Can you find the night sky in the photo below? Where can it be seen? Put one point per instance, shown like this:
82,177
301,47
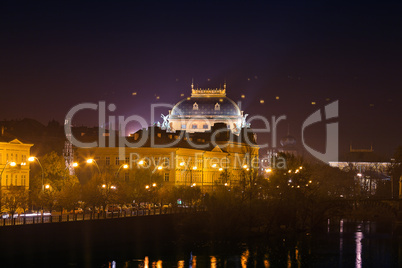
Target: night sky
59,54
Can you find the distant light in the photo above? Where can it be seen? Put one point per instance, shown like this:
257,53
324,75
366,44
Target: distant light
90,161
290,181
290,171
214,165
193,185
226,184
31,159
262,101
75,164
243,96
194,168
146,186
371,105
220,169
298,186
277,97
359,174
245,166
182,164
182,95
47,186
327,99
310,181
160,167
188,98
103,185
268,170
220,100
157,97
113,187
141,162
313,103
154,185
134,94
125,166
300,167
13,164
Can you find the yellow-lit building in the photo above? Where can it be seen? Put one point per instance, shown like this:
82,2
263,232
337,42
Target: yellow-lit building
201,138
182,163
14,165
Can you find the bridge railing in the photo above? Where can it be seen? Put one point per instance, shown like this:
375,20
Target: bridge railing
42,218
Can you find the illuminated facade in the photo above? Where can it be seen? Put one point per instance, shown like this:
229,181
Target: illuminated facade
180,160
14,166
204,109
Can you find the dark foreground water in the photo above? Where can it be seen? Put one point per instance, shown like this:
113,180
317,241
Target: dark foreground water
340,244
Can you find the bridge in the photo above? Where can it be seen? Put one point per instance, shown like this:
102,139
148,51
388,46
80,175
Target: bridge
40,218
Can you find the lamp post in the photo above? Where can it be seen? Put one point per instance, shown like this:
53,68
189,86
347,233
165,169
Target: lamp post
91,160
32,159
125,166
12,164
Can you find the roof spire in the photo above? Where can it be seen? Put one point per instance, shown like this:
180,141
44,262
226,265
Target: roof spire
192,83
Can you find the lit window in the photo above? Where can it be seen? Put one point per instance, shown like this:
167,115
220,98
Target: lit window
126,176
127,160
205,126
194,126
183,126
117,161
217,107
166,176
195,106
107,160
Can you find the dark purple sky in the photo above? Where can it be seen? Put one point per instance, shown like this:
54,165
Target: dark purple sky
57,55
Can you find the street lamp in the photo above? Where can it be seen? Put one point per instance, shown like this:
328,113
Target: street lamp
125,166
91,161
32,159
12,164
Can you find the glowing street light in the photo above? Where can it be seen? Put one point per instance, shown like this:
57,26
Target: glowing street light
113,187
154,185
182,164
245,166
268,170
220,169
214,165
194,168
160,167
103,185
141,162
13,164
125,166
91,161
146,186
47,186
75,164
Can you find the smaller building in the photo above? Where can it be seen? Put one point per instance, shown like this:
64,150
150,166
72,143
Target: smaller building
14,166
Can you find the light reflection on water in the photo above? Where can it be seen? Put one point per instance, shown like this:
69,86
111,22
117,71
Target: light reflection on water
358,247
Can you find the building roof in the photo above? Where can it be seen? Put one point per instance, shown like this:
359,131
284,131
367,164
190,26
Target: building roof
206,103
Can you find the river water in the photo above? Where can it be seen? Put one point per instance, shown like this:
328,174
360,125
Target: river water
341,244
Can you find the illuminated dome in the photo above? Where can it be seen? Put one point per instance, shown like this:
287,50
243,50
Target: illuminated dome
205,108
